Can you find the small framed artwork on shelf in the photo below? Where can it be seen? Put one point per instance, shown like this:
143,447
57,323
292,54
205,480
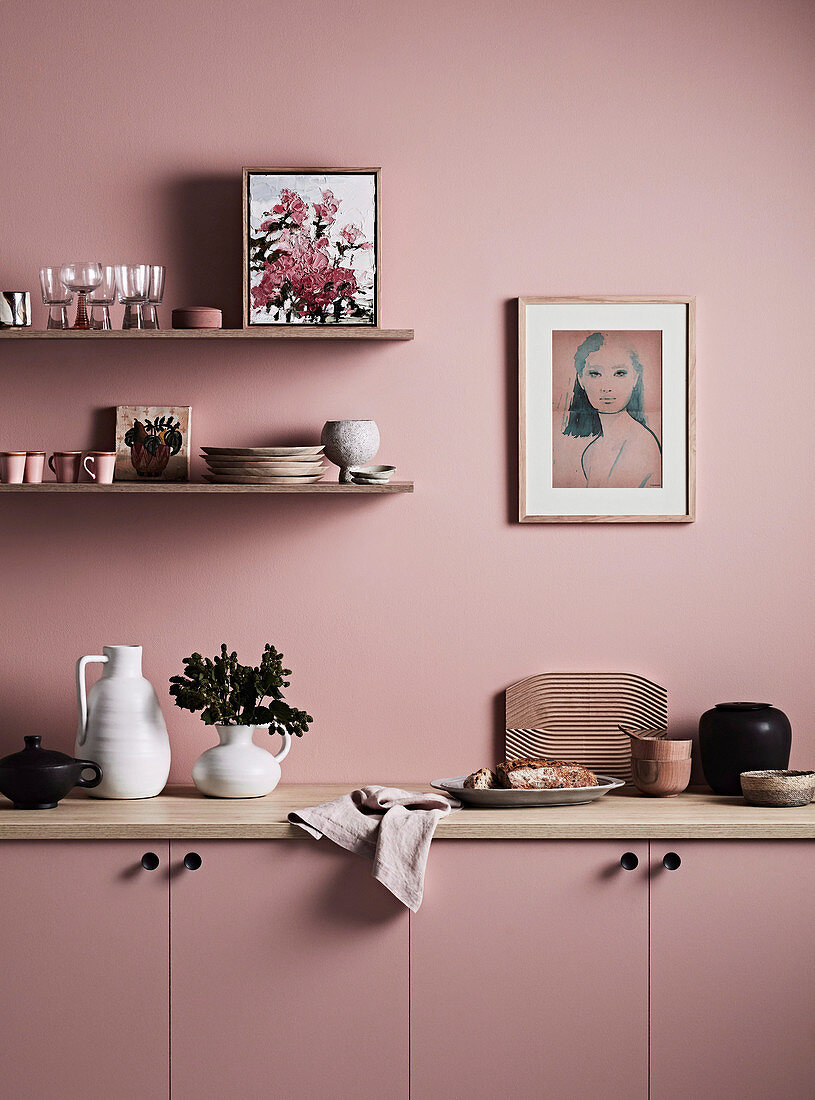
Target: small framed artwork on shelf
310,246
607,413
153,442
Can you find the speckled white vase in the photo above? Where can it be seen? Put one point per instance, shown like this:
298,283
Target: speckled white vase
350,443
237,767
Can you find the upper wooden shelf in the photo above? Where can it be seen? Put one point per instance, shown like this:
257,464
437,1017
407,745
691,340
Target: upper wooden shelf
306,332
622,815
206,487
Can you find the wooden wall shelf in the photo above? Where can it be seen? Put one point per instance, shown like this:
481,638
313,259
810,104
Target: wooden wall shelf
204,487
306,332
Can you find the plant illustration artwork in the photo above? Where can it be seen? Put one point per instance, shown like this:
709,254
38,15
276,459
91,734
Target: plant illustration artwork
310,247
229,693
152,442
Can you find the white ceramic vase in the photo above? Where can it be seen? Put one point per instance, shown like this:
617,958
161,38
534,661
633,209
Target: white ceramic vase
121,726
237,767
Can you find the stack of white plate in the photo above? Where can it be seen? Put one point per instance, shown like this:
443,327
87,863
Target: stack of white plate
264,465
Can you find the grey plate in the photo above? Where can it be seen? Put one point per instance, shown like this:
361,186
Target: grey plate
517,799
263,452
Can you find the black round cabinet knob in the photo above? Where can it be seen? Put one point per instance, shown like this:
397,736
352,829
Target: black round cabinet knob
629,861
671,861
150,861
192,861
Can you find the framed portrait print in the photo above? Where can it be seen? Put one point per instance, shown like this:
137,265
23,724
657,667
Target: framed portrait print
607,410
310,246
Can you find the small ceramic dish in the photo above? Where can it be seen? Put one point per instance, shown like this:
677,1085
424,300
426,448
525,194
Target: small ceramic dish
778,788
373,473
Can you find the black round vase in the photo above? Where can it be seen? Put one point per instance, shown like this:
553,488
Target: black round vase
742,737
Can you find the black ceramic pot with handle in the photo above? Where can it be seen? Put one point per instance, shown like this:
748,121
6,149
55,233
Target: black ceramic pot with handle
37,778
742,737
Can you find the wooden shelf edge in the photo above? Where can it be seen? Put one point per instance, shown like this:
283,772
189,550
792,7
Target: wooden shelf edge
307,332
330,487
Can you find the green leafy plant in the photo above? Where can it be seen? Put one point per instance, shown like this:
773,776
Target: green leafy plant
155,433
229,693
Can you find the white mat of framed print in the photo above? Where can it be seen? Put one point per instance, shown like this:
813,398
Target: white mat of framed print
607,411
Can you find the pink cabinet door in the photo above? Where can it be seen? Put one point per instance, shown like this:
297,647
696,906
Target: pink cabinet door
84,978
529,971
289,974
732,988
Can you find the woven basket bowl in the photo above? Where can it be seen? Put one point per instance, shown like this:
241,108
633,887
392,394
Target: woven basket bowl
778,788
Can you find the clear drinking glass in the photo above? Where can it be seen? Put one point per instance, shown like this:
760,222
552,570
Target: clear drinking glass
133,286
103,297
82,278
56,296
154,296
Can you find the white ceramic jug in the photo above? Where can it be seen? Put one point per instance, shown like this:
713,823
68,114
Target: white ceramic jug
237,767
121,726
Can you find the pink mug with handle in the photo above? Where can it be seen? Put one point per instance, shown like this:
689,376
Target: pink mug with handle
65,465
103,465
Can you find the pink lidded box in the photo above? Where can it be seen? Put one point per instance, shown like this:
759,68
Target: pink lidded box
197,317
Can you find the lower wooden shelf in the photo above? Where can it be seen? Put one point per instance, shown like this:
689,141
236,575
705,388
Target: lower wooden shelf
204,487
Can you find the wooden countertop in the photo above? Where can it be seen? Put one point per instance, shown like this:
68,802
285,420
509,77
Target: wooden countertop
181,812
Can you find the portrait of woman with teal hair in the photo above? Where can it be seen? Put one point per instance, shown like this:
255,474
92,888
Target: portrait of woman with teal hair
607,422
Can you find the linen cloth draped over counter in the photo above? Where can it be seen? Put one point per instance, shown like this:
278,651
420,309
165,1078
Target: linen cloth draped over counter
390,826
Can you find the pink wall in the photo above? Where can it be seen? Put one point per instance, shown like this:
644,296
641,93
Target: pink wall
541,148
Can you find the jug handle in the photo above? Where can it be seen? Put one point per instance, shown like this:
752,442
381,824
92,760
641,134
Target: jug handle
97,778
81,697
284,752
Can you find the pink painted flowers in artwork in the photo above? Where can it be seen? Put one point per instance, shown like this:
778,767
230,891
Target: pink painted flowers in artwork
308,264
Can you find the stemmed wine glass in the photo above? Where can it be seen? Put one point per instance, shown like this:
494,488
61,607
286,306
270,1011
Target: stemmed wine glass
81,278
133,286
103,297
56,296
154,297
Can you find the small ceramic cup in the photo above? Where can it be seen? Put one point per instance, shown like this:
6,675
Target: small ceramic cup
12,467
65,465
103,463
34,465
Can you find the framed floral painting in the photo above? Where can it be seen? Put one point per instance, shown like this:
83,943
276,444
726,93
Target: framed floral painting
310,246
607,411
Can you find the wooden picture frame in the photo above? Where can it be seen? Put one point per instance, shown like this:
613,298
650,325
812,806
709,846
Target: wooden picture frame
348,230
579,368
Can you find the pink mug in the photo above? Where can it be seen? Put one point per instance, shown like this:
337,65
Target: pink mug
12,467
34,463
103,465
65,465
